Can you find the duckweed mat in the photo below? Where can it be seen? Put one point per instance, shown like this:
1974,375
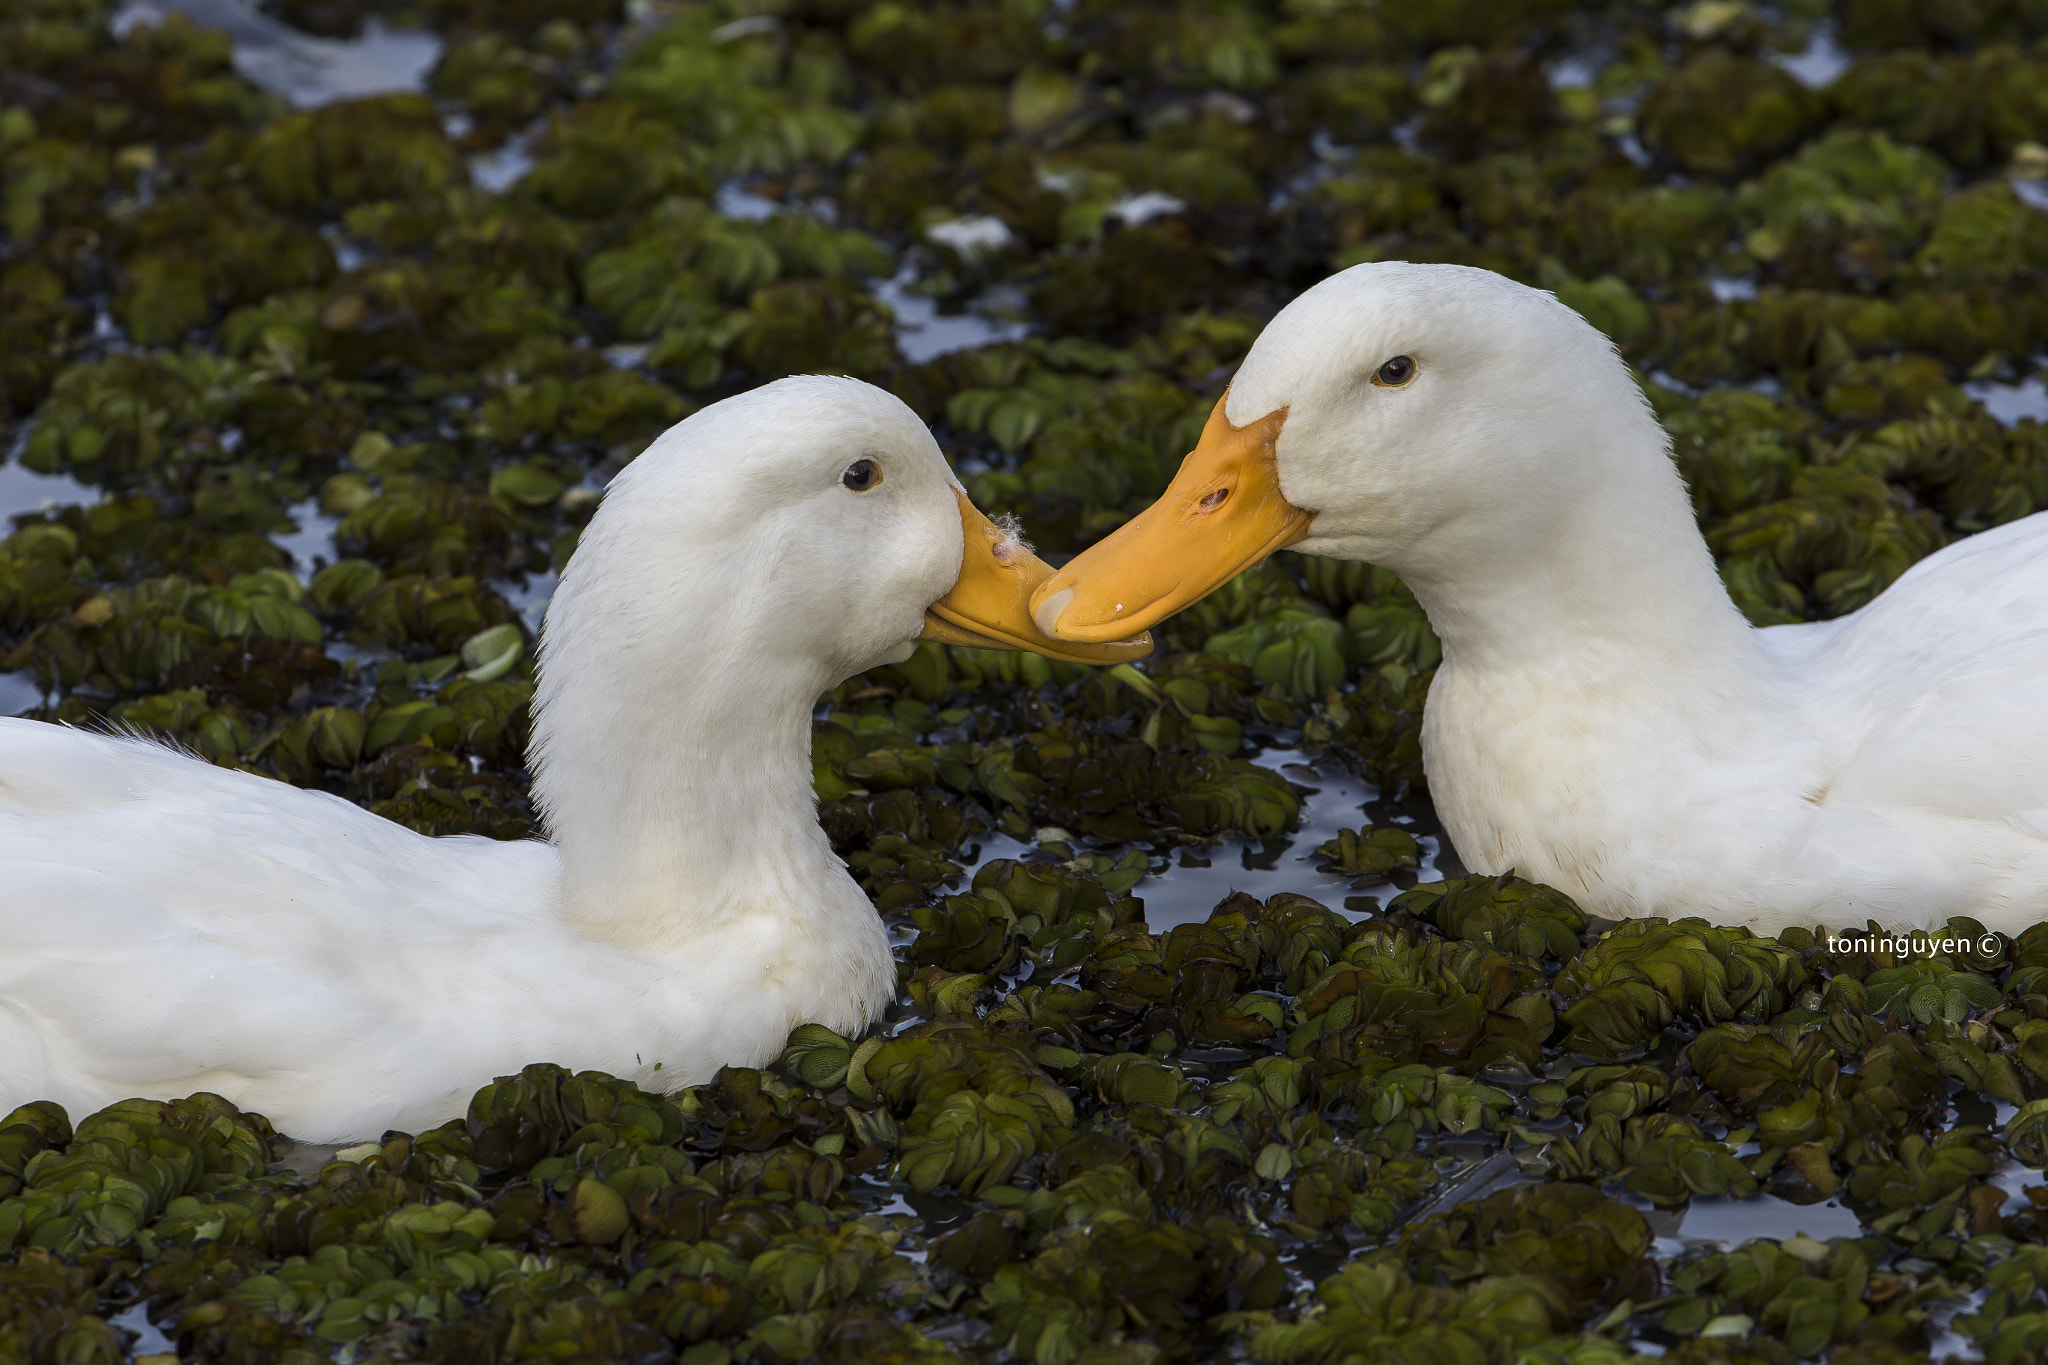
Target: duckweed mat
306,407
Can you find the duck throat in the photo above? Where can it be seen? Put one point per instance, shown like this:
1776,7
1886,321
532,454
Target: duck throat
1610,567
673,769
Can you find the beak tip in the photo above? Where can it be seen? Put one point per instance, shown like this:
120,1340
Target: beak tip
1046,614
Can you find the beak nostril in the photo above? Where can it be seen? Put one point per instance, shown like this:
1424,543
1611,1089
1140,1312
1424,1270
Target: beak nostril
1212,500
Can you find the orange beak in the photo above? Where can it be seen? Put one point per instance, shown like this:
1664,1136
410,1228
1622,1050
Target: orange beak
989,605
1222,513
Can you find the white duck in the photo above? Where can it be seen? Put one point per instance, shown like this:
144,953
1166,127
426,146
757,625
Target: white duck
1604,719
168,926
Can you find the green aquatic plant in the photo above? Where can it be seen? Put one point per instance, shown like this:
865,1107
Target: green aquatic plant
1370,854
1284,1132
1721,111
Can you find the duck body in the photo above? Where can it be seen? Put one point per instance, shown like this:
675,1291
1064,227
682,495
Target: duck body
173,927
1888,765
1604,720
168,926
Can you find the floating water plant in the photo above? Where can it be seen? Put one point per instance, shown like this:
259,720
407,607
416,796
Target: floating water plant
1456,1128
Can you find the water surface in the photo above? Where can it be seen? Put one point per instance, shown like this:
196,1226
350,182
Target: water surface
306,70
1196,878
1820,63
1725,1224
924,333
2010,402
24,492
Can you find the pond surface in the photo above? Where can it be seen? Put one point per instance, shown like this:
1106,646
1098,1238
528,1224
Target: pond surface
306,70
312,545
1727,1223
529,597
924,333
2011,402
23,490
18,693
1196,878
1820,62
149,1338
1720,1224
497,171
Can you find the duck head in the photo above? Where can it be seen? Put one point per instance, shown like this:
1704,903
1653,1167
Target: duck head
816,516
754,556
1432,418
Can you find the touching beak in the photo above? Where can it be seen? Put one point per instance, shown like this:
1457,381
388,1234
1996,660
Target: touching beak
1221,514
989,606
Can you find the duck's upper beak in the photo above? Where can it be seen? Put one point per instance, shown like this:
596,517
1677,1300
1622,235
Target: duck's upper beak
1223,512
989,606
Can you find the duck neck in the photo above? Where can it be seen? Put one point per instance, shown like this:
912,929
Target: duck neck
1599,691
678,789
1607,579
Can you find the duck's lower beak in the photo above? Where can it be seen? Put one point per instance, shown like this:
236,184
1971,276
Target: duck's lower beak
989,606
1223,512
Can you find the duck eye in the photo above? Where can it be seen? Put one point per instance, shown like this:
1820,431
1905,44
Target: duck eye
861,475
1395,372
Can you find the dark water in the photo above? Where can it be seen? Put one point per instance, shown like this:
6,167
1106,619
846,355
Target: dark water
1194,879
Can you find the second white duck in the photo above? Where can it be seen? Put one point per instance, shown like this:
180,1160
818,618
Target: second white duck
1604,720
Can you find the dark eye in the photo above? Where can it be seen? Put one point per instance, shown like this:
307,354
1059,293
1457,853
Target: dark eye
861,475
1395,372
